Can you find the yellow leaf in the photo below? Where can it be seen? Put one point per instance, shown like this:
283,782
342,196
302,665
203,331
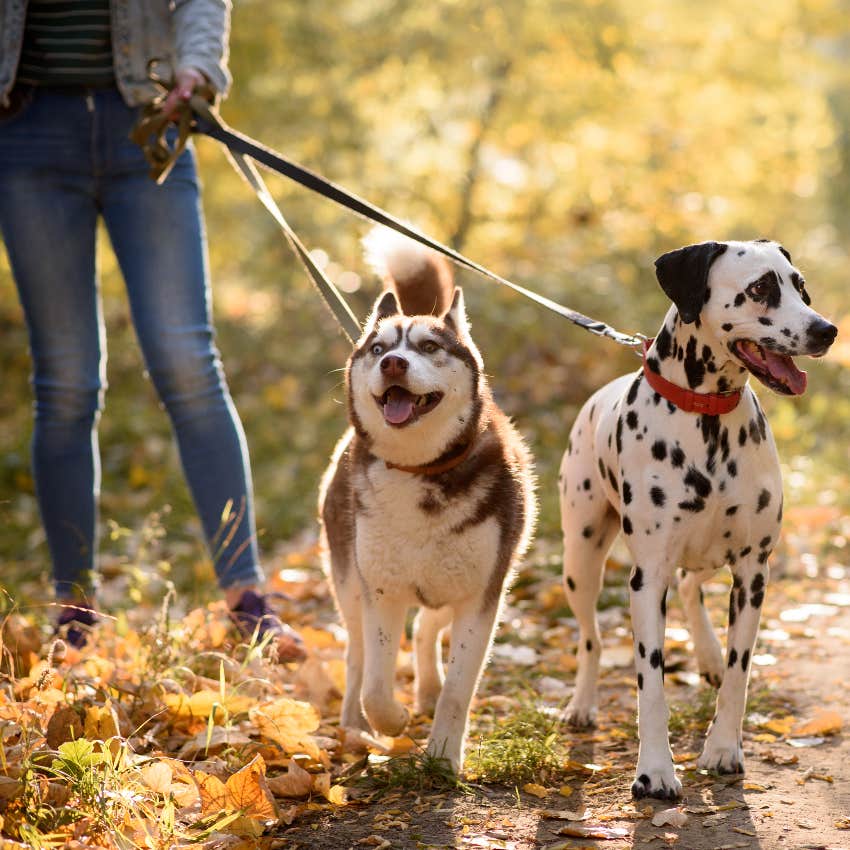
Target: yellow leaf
823,723
287,722
101,722
565,791
781,726
202,703
534,789
158,776
335,794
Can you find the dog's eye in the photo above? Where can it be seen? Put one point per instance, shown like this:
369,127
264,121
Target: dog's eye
377,349
429,346
759,288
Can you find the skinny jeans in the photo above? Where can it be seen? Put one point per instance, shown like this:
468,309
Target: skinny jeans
65,161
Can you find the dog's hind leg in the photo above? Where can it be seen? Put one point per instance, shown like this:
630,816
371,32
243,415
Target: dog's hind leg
724,751
708,650
589,526
472,630
427,656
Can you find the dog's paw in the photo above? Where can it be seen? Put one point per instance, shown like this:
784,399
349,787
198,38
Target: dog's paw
579,716
720,758
448,751
660,783
426,700
712,677
388,718
711,666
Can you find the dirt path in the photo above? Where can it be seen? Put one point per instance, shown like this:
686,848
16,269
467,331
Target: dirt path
791,797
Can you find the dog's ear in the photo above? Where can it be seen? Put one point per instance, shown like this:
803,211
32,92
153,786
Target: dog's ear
385,305
455,316
683,275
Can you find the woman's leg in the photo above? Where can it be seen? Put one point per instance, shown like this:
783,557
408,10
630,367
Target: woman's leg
158,236
47,217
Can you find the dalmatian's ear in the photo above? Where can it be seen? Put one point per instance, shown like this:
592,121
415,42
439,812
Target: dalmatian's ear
683,275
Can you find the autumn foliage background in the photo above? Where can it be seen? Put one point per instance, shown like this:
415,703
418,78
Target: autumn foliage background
563,143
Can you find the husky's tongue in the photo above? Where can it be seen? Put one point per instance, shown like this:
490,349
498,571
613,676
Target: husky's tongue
398,405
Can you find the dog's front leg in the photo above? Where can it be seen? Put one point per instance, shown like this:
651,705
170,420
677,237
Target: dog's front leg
724,748
472,630
655,775
383,621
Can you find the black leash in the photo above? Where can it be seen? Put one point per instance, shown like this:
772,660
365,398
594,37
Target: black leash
150,134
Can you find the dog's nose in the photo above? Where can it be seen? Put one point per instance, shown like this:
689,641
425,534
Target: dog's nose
393,366
821,332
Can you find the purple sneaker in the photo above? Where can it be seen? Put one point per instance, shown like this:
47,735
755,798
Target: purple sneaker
253,615
74,624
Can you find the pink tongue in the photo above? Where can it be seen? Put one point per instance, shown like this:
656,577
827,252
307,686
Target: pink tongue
783,368
398,407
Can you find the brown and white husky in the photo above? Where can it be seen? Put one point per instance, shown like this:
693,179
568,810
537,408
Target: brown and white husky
428,501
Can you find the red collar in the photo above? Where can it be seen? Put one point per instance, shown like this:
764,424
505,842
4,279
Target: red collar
436,468
712,404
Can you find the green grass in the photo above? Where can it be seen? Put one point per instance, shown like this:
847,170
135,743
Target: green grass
524,748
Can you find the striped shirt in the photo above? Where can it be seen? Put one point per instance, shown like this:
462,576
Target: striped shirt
67,42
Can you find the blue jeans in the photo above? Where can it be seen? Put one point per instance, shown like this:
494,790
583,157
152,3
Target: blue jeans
65,159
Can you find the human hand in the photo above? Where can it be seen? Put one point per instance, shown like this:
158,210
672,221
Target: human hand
186,81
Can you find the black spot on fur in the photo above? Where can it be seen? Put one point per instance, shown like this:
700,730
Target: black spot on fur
612,479
658,497
698,481
763,501
586,483
659,450
745,660
677,457
731,511
632,420
636,581
587,531
655,659
755,436
726,326
694,365
763,320
763,556
746,551
588,645
663,343
764,542
694,505
627,492
732,467
742,436
570,583
640,681
627,525
739,299
732,612
633,390
757,590
642,650
601,468
733,657
664,603
619,436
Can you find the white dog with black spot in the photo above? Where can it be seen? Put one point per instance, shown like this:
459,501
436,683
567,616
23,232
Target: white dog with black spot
680,458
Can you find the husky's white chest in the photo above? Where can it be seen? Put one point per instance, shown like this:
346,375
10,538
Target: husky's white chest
417,543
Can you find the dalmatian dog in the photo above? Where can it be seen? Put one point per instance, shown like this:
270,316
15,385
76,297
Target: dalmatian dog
680,459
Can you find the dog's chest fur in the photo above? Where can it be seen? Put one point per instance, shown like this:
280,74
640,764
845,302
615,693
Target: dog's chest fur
417,542
707,488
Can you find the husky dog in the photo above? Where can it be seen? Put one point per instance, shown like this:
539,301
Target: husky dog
428,501
680,458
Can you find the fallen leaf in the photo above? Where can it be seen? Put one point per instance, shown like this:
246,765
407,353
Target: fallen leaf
535,790
287,722
670,817
604,833
563,814
823,723
296,782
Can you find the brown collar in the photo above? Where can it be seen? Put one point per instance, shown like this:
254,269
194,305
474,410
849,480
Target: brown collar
438,467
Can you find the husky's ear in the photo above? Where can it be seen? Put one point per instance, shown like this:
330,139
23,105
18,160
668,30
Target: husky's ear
683,275
455,316
385,305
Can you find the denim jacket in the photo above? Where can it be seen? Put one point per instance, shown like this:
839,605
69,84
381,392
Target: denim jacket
182,33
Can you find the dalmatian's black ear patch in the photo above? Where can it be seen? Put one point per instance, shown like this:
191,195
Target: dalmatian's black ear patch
683,275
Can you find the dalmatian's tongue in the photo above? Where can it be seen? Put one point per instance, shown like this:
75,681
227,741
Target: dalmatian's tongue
783,368
780,368
398,405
